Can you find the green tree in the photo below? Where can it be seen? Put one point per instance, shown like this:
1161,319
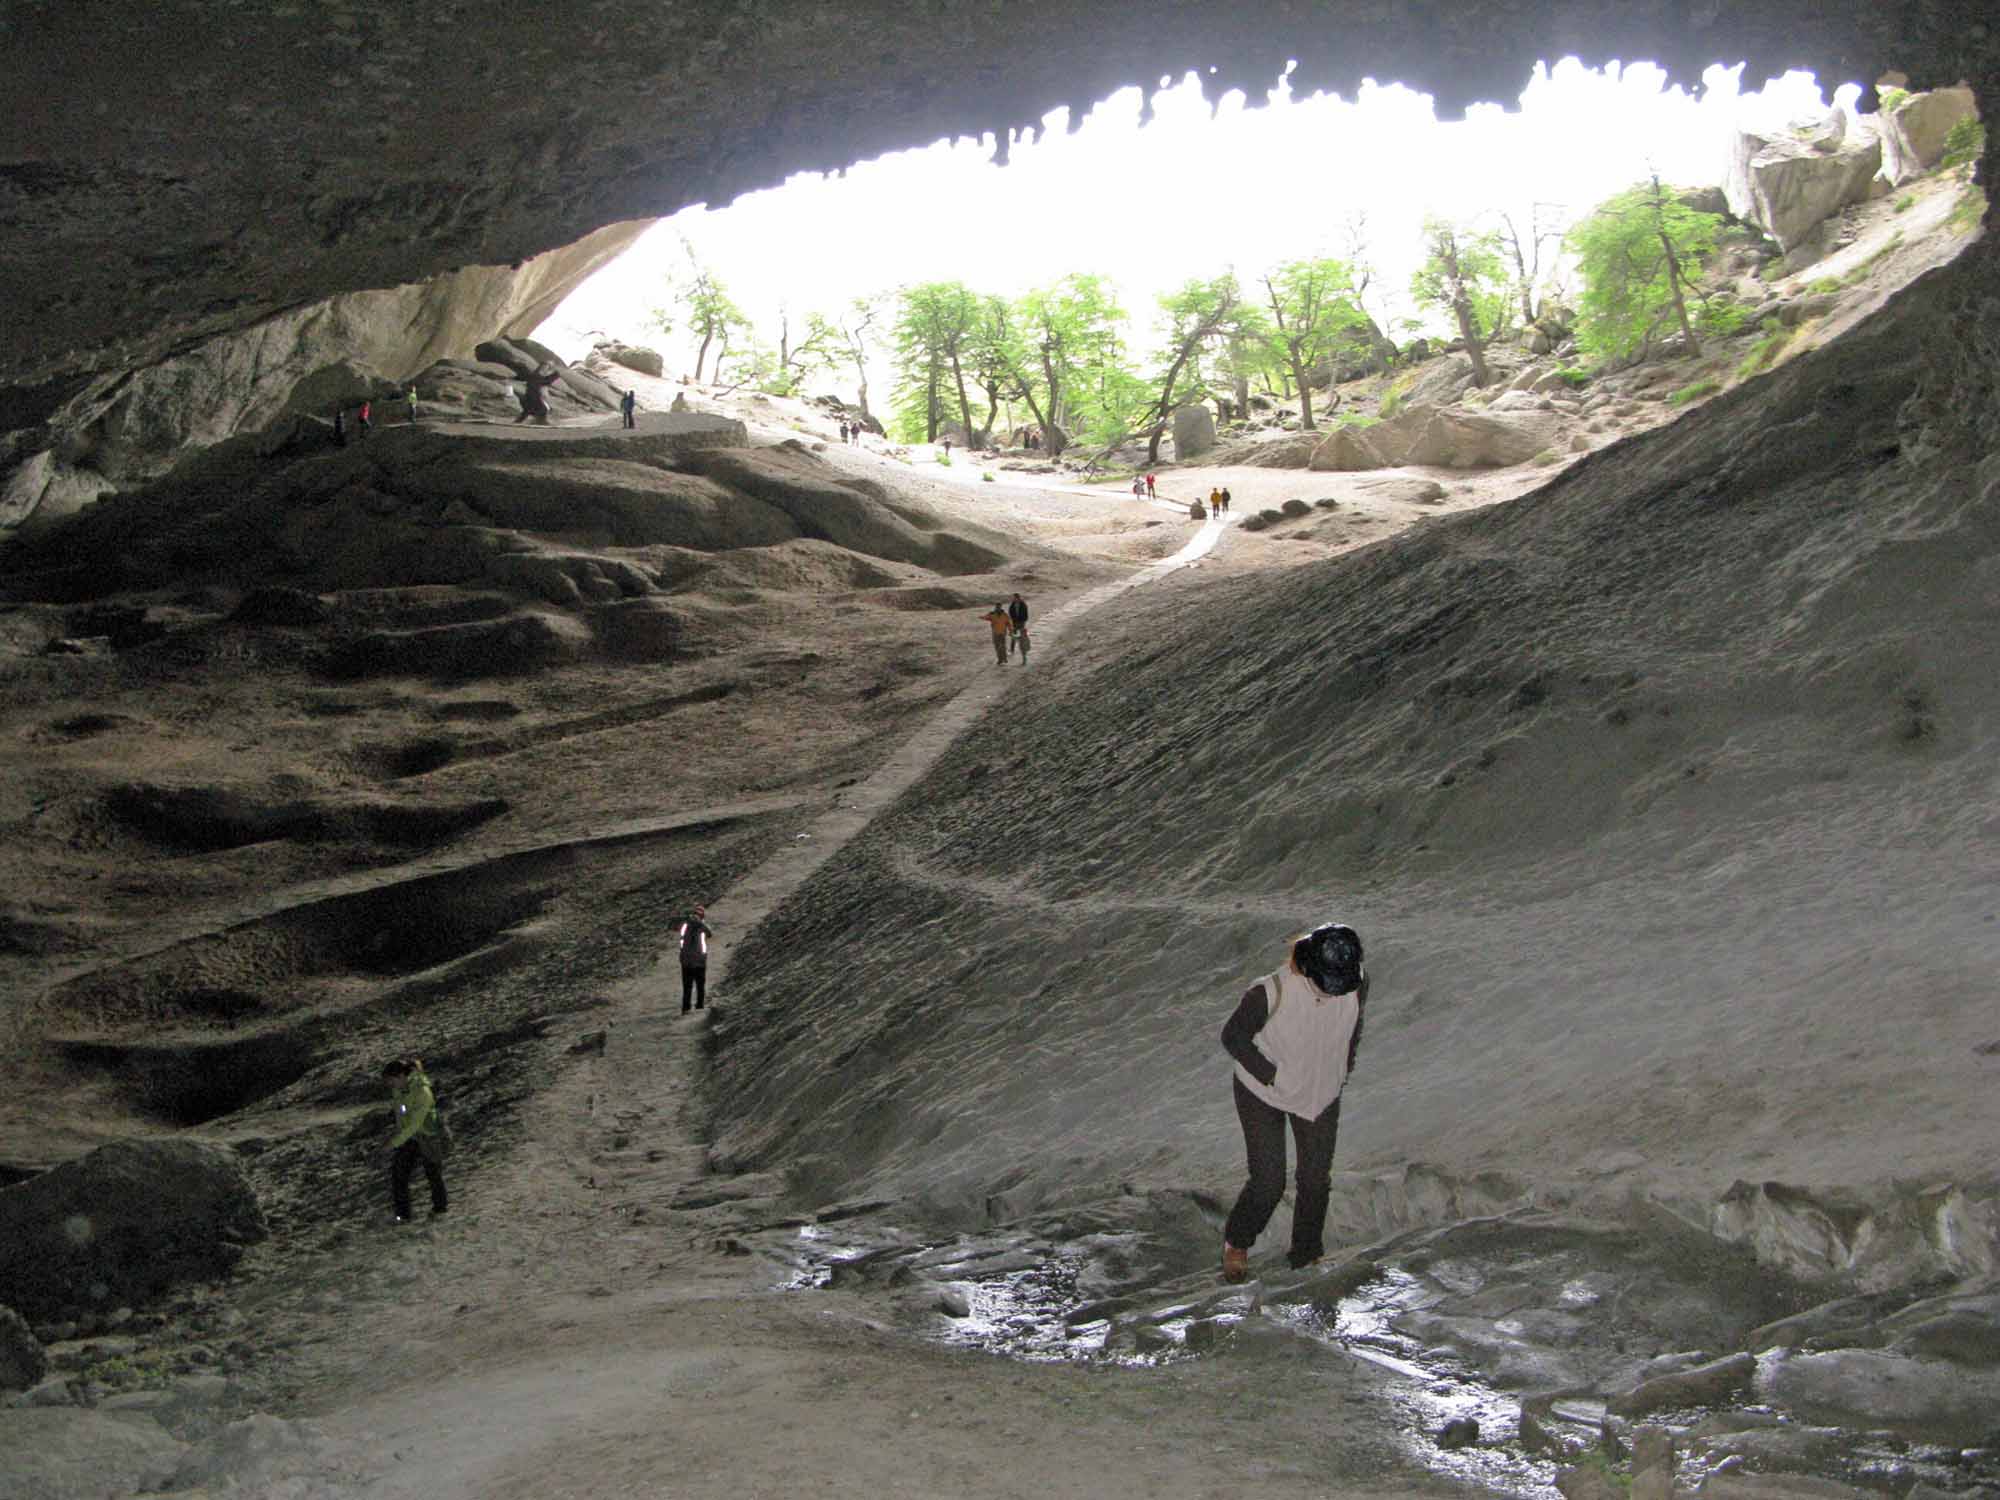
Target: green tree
855,335
1193,321
1312,304
1064,352
818,347
711,315
1465,277
1640,256
934,324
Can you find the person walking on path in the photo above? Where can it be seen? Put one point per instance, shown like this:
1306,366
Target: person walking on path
1225,499
628,407
694,935
843,434
534,397
1003,626
1152,492
1294,1035
418,1137
1017,618
1214,501
361,422
340,425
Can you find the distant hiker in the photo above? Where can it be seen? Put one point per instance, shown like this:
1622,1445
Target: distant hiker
340,425
843,434
1151,491
1225,501
1214,500
694,935
1294,1035
1003,626
628,407
534,400
419,1137
361,422
1138,489
947,450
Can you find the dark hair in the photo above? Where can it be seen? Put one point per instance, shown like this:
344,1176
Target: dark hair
402,1067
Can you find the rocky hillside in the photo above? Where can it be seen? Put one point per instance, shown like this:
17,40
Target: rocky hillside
1649,792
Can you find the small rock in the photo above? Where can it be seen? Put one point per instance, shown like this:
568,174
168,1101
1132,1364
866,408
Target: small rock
953,1304
593,1041
1588,1482
1459,1432
51,1392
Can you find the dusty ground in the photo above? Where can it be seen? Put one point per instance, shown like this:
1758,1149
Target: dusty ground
596,1315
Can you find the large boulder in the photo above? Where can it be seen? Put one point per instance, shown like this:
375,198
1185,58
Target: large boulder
122,1223
1440,382
633,357
1788,181
1913,132
1349,447
1457,439
1934,1398
1194,431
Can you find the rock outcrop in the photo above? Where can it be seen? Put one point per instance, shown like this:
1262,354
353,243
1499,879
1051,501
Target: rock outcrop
1788,182
1914,130
124,1222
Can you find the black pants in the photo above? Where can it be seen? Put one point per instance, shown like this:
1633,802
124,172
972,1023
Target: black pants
408,1156
694,987
1264,1145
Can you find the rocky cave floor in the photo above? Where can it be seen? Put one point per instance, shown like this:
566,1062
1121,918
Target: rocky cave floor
477,861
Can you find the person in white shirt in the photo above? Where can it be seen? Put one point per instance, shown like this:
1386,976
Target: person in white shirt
694,934
1295,1036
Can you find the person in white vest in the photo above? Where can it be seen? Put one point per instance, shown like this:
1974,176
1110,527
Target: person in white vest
694,935
1295,1035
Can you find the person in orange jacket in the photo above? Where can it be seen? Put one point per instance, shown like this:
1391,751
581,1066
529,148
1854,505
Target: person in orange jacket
1002,624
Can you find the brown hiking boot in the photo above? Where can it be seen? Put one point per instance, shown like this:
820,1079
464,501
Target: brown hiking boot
1235,1263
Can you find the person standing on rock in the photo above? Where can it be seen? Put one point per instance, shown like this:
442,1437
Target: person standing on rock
628,408
1002,625
1225,500
1152,488
694,935
1214,501
843,434
417,1139
1017,619
361,422
1294,1035
534,398
340,426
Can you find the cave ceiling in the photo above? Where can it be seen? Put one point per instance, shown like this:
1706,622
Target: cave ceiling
171,169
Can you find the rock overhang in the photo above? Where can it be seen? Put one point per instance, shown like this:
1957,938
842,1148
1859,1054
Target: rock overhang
183,169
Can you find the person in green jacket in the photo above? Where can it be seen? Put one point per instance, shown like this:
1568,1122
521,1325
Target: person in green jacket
416,1137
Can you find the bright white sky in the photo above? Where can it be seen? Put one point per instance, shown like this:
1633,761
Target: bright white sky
1188,194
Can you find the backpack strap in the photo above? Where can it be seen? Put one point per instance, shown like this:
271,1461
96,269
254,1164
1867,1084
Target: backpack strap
1273,992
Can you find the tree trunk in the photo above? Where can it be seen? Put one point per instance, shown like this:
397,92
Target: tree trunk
964,405
1674,286
861,378
701,354
1305,396
1468,329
